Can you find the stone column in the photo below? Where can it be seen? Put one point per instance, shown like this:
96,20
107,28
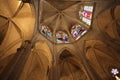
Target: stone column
15,67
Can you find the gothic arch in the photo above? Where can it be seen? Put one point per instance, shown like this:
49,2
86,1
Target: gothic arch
68,49
70,67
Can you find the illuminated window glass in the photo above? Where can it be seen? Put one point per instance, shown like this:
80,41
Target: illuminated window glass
88,8
87,21
46,31
85,14
114,71
62,37
77,31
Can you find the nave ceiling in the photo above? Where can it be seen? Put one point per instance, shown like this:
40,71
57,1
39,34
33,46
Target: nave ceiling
90,57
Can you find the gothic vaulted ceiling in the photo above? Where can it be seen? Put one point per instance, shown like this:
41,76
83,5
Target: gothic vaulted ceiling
59,15
63,15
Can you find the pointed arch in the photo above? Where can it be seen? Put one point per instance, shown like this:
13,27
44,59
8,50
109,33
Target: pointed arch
70,66
72,52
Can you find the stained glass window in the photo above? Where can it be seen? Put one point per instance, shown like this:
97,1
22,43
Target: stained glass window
46,31
62,37
85,14
88,8
77,31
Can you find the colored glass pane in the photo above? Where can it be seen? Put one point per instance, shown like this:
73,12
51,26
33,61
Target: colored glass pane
77,31
85,14
62,37
46,31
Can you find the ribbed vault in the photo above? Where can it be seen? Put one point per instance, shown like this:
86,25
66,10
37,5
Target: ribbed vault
17,23
38,63
6,18
70,67
13,27
58,11
101,57
60,15
109,22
